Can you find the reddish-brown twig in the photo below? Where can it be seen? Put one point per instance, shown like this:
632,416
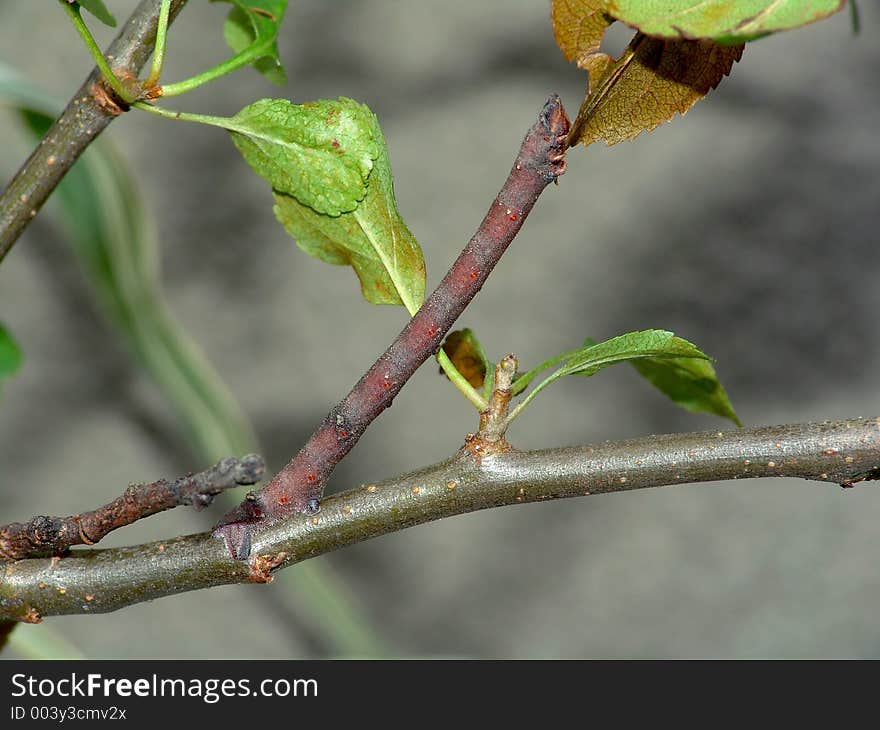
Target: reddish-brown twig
299,485
46,536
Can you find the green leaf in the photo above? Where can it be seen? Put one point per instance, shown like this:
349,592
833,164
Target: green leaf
630,346
99,10
10,354
677,367
690,382
724,21
251,29
373,239
468,356
320,153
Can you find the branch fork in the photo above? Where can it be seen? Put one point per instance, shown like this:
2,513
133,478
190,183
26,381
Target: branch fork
300,484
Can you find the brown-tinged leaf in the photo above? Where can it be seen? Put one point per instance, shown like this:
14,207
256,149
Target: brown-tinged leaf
651,80
466,353
578,26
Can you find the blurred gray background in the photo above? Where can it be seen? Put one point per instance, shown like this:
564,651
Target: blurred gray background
749,227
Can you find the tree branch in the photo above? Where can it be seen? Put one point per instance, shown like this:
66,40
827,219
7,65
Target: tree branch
53,536
97,581
87,114
299,485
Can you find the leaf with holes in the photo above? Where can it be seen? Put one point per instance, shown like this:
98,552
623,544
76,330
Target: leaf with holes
373,238
320,153
251,30
724,21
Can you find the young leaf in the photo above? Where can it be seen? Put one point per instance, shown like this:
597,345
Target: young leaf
99,10
373,239
677,367
651,81
468,356
630,346
321,153
720,20
252,28
690,382
10,354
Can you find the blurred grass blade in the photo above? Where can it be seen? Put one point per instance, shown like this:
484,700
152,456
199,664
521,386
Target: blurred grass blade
42,642
101,209
10,354
328,601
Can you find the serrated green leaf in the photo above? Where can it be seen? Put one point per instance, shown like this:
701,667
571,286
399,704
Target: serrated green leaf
373,239
723,21
10,354
467,354
630,346
99,10
672,364
320,153
251,28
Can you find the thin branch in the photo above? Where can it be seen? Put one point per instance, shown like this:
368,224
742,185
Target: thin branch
87,114
53,536
97,581
299,485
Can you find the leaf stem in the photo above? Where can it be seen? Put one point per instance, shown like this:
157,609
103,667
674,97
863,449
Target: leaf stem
460,382
222,122
522,382
159,51
73,12
228,66
528,399
82,120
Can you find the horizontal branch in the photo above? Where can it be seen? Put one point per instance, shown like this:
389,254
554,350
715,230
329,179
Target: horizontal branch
45,536
97,581
87,114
